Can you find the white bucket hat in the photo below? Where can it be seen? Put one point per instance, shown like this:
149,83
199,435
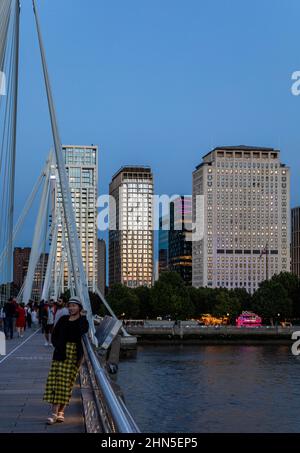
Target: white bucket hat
75,300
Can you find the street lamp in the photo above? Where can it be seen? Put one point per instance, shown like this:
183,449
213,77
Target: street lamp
278,317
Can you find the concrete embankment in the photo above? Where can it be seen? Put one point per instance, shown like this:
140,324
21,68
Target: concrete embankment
193,334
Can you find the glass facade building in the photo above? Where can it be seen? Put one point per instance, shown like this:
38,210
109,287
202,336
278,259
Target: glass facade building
180,245
175,246
163,246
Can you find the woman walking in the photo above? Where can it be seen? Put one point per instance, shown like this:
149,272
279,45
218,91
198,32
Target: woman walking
68,352
21,320
34,318
28,310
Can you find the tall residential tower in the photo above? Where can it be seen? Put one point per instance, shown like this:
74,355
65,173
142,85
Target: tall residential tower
21,262
131,236
82,169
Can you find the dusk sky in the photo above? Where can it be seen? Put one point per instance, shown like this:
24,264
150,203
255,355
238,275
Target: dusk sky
159,83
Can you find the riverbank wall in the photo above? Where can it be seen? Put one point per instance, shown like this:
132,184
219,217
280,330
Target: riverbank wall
195,334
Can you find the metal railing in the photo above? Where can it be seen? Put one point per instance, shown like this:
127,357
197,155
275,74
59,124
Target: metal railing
113,413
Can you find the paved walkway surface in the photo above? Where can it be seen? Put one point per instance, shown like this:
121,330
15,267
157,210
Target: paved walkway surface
23,373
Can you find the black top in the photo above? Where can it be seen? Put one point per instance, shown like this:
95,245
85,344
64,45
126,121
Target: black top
73,331
67,331
9,309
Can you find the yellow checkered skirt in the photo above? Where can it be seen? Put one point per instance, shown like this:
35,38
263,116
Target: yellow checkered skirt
62,377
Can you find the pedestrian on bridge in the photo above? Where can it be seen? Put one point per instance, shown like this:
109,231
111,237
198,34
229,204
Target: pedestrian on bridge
61,310
10,313
2,317
21,320
34,318
40,314
28,310
68,353
48,315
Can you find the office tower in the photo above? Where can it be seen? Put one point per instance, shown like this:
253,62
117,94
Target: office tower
21,262
295,244
163,246
82,169
246,217
180,245
175,246
39,277
102,265
131,238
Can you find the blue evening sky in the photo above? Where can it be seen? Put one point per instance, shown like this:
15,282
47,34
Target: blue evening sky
159,83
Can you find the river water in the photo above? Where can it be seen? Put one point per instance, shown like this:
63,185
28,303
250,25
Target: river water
210,389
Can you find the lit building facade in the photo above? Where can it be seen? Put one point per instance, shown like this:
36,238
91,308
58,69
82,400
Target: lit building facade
82,169
21,262
295,244
246,193
131,231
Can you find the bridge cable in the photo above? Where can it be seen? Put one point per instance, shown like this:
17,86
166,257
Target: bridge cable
14,143
23,216
9,64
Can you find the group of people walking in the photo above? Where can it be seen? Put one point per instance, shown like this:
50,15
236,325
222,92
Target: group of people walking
49,315
16,317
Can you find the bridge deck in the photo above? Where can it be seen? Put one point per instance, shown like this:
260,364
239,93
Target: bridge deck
23,372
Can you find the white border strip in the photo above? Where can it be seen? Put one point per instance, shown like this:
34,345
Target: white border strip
19,346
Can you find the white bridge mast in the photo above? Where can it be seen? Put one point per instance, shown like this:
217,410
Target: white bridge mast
80,280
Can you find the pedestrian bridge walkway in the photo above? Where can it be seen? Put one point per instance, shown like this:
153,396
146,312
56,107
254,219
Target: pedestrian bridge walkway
23,373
